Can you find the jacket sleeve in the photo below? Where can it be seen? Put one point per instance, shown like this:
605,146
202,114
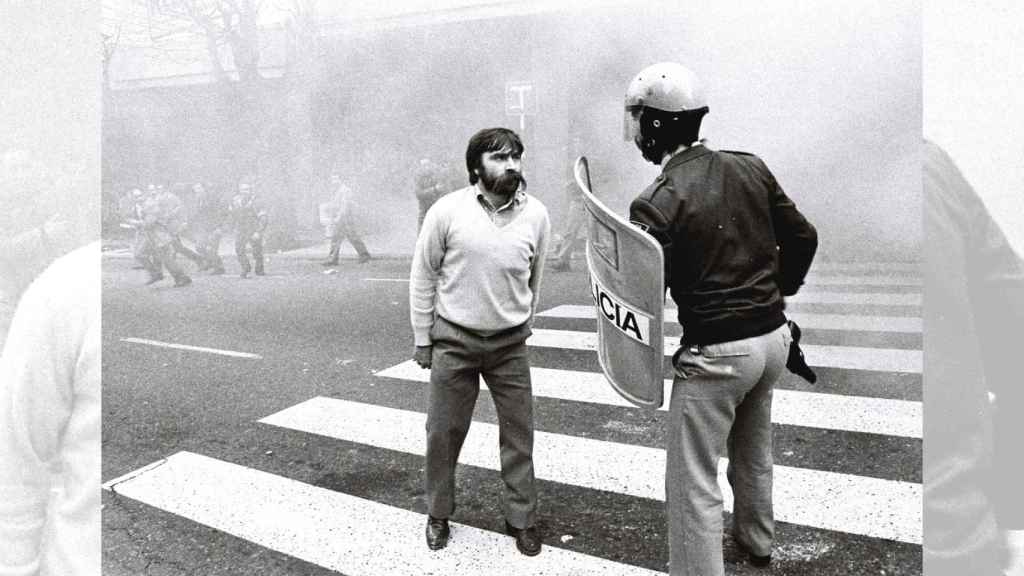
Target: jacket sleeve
796,238
996,288
654,211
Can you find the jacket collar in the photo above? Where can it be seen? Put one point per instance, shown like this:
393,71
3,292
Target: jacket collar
695,151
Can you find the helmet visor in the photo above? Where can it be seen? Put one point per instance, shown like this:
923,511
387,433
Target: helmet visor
631,123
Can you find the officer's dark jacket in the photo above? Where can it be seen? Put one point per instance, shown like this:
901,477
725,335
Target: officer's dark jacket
734,242
973,313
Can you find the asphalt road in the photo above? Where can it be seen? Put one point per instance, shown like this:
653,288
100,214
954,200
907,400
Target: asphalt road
317,336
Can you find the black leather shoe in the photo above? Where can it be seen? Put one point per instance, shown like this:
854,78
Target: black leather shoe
527,539
437,533
757,561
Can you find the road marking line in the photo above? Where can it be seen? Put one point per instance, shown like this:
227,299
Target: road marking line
337,531
805,320
812,280
861,280
873,507
847,357
789,407
833,297
873,266
191,348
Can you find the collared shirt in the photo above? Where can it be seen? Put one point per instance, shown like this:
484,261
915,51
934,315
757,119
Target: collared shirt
505,213
478,266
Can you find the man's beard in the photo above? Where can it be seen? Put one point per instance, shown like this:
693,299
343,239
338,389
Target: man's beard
505,184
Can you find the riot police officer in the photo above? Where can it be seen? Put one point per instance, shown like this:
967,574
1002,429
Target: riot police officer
734,246
250,220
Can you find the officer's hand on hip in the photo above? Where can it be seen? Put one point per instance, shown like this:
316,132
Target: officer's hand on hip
422,355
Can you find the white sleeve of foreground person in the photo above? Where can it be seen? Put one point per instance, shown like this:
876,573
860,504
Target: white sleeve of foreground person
426,267
50,424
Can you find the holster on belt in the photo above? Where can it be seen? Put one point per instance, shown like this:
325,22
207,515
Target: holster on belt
796,362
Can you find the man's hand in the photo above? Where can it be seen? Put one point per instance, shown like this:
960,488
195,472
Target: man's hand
422,355
1015,549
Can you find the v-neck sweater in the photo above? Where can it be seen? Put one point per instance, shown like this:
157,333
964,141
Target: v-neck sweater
477,268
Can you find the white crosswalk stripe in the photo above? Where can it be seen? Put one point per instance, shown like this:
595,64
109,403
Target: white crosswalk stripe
861,280
337,531
806,320
809,497
848,357
908,267
792,407
832,297
311,523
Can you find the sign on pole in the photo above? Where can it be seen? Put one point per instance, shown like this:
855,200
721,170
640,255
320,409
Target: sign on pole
520,100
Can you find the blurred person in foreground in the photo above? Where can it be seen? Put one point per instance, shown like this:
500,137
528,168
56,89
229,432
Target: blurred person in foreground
973,392
473,291
35,225
338,219
50,424
734,246
250,221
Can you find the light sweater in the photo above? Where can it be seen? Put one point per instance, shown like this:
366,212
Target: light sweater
50,424
477,268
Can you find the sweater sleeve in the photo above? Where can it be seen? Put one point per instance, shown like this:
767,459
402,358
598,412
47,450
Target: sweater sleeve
426,267
36,399
537,267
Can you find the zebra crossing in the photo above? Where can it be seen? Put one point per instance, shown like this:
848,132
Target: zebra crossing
303,521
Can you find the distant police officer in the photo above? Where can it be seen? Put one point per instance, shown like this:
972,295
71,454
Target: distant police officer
428,187
207,226
250,220
339,221
158,221
734,246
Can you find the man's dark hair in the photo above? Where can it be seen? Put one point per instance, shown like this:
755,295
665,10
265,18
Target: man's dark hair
489,140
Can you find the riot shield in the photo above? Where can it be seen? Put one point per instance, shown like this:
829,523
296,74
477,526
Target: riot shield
628,287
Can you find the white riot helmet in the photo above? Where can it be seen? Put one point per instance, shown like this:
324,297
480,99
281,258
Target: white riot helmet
664,107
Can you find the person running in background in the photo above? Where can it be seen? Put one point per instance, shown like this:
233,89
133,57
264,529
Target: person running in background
250,221
339,222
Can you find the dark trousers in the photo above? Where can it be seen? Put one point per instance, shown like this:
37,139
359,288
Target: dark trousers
208,246
460,358
342,231
164,257
185,251
241,241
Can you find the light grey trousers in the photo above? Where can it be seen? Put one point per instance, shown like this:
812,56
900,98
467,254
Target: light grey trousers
721,404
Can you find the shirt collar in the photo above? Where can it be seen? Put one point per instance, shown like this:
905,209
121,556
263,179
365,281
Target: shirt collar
517,200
